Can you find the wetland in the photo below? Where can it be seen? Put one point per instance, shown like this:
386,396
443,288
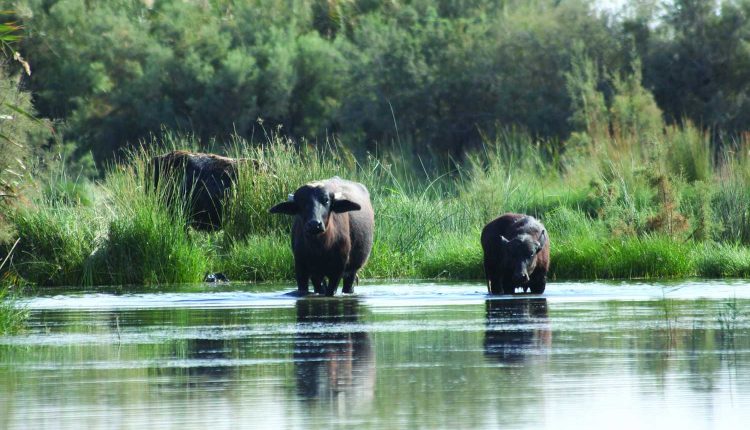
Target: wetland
410,354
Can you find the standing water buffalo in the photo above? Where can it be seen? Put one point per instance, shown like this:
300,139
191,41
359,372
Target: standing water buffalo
516,254
332,233
200,181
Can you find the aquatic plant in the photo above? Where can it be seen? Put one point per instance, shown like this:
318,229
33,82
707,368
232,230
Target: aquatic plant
12,313
728,319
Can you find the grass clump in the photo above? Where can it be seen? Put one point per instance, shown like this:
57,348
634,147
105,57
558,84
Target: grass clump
721,260
270,172
259,258
453,256
151,247
147,241
12,315
56,242
601,257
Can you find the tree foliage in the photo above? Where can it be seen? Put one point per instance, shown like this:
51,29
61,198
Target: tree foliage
436,74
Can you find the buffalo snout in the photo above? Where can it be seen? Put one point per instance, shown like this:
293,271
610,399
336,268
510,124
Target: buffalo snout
314,227
521,277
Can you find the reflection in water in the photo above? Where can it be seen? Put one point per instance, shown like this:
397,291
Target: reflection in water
516,329
333,356
196,364
445,361
203,360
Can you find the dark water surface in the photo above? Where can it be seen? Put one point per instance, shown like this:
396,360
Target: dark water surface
424,355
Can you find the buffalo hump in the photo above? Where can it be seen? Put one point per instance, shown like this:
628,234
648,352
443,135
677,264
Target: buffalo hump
199,181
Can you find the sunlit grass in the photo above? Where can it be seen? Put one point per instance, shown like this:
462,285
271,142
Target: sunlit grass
602,223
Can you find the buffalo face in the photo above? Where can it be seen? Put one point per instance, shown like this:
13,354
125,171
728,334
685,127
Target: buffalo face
520,255
314,205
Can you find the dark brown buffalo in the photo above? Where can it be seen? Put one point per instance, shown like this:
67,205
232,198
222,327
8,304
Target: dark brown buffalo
516,254
332,233
201,180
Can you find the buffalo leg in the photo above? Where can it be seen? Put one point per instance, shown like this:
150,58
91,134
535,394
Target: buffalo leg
490,275
318,285
349,283
537,283
496,285
333,285
508,286
302,280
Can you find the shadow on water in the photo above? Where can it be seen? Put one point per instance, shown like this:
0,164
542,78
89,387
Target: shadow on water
516,329
334,359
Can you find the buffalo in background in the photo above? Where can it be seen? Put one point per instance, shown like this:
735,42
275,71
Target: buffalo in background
201,181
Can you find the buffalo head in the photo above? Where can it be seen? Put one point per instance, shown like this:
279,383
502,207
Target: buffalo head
520,254
314,203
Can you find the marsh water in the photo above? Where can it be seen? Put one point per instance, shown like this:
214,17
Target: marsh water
406,355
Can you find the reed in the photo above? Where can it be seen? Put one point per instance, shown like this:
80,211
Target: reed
634,216
12,314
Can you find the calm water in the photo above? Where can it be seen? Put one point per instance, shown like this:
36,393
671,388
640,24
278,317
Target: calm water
426,355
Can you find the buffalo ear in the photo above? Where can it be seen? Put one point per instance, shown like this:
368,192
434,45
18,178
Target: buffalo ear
344,205
542,240
288,207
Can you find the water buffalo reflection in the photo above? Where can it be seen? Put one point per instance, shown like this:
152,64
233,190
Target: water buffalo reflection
333,357
516,329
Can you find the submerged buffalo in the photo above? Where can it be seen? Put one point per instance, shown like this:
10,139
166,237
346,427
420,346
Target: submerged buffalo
200,180
516,254
331,235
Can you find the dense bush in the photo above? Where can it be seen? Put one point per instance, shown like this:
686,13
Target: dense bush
450,112
437,74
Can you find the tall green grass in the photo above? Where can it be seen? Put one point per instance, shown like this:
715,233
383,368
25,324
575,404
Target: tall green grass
660,208
55,244
147,241
259,258
12,315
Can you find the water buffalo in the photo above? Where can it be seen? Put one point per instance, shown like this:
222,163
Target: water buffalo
516,254
332,233
201,180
